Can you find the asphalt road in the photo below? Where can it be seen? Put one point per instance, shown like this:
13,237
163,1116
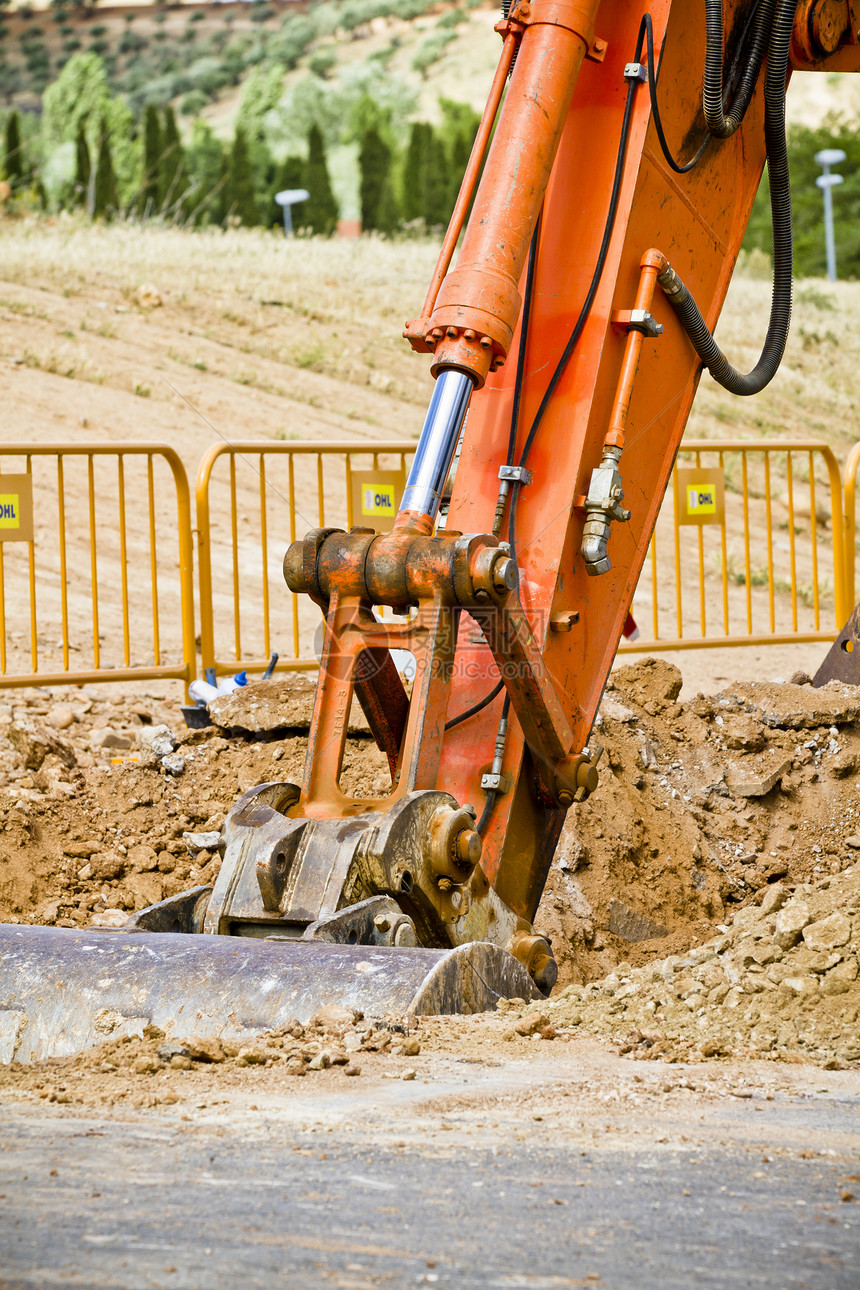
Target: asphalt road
325,1194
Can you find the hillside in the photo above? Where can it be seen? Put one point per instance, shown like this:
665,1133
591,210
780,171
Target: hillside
191,38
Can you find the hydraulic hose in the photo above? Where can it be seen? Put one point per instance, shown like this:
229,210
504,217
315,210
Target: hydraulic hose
719,124
783,252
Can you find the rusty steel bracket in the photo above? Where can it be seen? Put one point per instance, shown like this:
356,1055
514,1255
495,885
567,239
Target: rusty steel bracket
821,27
183,912
377,921
400,877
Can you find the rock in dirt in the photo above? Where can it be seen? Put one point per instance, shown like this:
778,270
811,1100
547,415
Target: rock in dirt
157,741
145,888
784,986
630,926
795,707
109,918
756,782
197,842
335,1019
272,707
61,716
829,933
34,743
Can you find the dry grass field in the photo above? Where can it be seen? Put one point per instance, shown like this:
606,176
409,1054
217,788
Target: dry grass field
143,333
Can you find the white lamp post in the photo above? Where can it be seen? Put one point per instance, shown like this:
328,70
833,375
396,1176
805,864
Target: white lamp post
827,182
287,200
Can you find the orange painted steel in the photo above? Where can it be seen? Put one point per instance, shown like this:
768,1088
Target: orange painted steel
554,152
479,301
652,264
415,331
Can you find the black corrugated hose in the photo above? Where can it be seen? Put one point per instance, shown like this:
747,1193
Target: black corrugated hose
720,125
783,251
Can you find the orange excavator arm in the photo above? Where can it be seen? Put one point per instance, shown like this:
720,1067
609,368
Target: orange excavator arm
567,343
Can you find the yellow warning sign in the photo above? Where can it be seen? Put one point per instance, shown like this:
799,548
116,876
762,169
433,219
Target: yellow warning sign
376,497
16,508
701,499
701,495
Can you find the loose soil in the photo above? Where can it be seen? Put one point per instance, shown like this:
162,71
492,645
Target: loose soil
703,903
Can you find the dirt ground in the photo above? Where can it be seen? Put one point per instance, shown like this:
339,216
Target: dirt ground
714,820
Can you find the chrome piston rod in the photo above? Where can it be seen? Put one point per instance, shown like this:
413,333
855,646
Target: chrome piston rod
438,442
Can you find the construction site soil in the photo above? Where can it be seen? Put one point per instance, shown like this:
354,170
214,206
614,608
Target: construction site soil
704,904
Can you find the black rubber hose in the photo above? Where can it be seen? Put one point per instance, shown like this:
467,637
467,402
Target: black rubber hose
783,250
719,124
478,707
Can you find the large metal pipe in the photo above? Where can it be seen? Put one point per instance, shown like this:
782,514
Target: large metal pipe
437,444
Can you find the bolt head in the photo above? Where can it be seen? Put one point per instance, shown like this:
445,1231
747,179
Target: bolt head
468,847
505,574
382,923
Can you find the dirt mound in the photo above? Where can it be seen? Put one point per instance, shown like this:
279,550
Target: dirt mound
780,982
704,809
701,807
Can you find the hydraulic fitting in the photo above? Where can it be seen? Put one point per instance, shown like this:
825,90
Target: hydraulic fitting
602,505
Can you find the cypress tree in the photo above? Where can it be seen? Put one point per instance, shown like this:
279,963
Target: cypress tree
150,189
374,161
436,181
413,173
83,166
320,214
388,212
240,199
105,197
206,165
461,150
173,178
13,162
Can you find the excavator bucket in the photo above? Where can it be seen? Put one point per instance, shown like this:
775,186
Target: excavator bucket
62,990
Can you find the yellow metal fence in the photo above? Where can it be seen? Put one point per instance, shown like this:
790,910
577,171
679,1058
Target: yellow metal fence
773,568
105,590
94,596
253,499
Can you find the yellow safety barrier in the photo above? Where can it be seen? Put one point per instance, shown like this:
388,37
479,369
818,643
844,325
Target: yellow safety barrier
288,488
88,527
752,566
850,525
92,532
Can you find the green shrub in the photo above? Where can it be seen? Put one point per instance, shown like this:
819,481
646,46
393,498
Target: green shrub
193,103
321,62
431,50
